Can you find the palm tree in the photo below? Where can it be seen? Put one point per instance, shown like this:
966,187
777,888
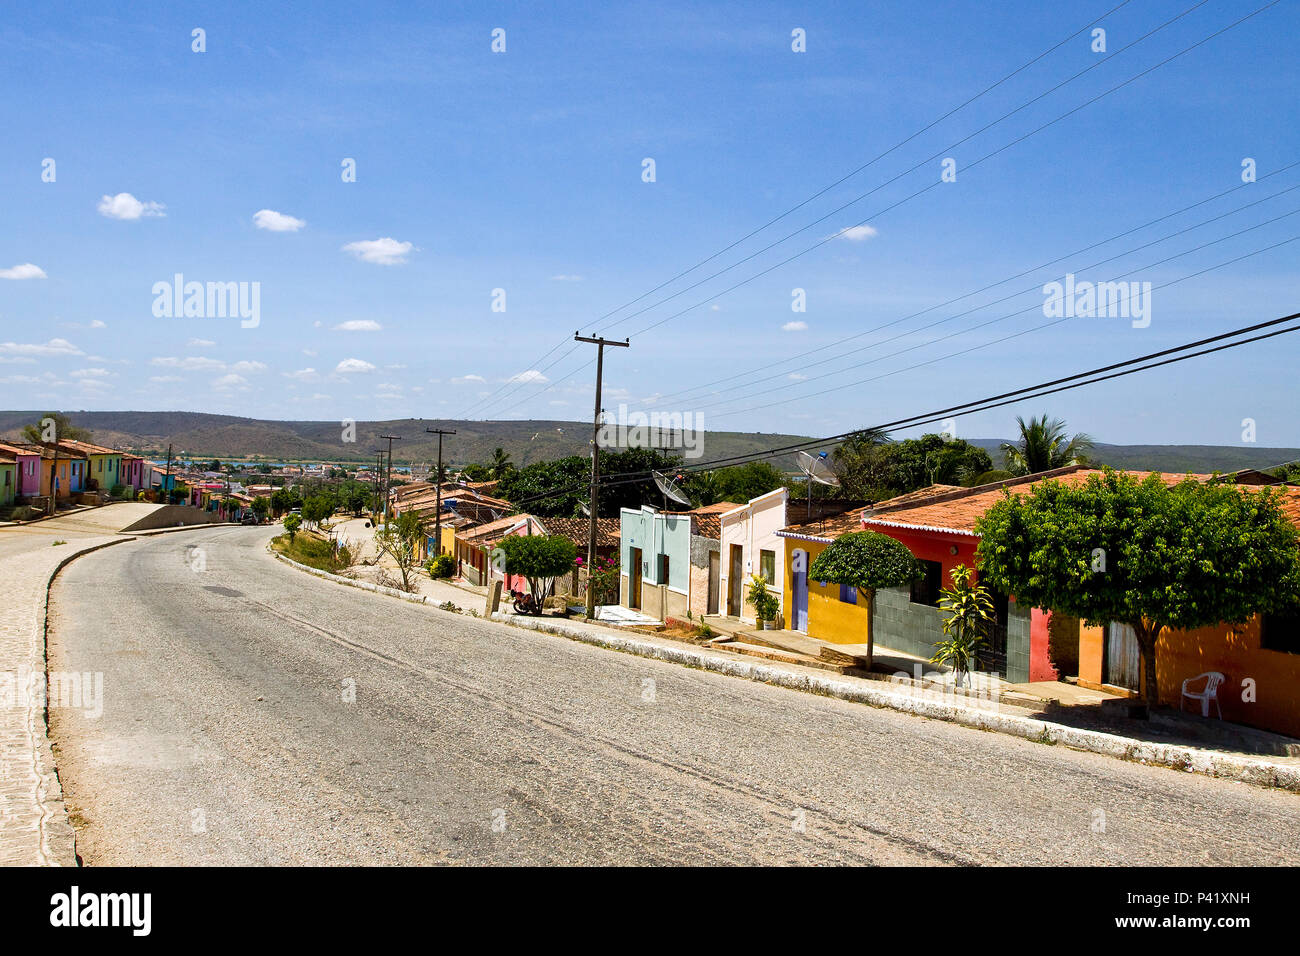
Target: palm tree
501,464
1044,445
704,488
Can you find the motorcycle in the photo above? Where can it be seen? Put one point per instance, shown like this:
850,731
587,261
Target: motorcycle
524,603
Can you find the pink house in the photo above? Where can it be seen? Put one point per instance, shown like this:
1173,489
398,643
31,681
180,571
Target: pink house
29,469
132,472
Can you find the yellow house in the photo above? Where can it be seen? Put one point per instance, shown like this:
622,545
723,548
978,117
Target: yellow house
835,614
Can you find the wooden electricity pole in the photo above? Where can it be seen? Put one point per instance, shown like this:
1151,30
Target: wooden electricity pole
437,480
388,472
600,344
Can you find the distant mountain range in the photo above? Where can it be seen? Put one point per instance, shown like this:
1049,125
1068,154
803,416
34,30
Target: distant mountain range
201,435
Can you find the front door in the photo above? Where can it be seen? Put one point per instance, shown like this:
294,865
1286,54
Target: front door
715,572
1122,659
634,580
799,591
735,598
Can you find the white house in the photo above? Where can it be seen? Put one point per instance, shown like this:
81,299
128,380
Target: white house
750,545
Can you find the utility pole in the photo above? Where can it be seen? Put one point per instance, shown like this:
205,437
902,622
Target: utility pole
166,491
388,474
437,480
600,344
54,473
379,467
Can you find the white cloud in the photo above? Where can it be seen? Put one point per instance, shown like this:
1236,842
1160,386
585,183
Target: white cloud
532,375
359,325
160,379
52,347
318,396
273,221
303,375
16,360
715,308
348,366
229,381
247,366
382,252
466,379
857,233
795,326
98,324
189,363
90,373
310,353
564,278
24,271
126,206
200,344
797,376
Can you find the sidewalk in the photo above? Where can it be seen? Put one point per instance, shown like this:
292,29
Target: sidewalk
34,828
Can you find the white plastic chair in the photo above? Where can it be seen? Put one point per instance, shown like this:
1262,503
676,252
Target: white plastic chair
1211,692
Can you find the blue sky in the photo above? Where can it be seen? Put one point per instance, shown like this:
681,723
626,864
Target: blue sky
523,171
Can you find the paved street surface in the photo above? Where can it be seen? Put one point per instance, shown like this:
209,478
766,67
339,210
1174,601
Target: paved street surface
227,737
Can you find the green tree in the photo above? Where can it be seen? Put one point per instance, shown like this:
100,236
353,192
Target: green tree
291,525
1044,445
537,558
501,463
63,429
867,561
739,483
261,506
317,508
401,538
1142,553
968,619
873,468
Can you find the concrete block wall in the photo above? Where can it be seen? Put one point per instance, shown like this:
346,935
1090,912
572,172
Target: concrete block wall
1018,622
903,626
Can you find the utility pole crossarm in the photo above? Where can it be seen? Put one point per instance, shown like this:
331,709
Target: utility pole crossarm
600,342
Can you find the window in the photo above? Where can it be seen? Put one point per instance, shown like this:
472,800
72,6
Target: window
101,465
767,566
1280,632
925,589
848,594
663,569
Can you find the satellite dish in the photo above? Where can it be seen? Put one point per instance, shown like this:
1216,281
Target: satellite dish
816,468
669,486
586,510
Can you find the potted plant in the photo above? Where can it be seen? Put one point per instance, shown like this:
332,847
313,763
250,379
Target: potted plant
766,606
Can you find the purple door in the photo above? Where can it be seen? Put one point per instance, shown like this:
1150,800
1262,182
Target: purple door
799,591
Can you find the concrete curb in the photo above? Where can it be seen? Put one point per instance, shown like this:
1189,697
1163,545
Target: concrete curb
1211,763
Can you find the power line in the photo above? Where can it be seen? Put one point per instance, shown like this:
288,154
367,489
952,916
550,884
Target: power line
1033,308
791,360
925,189
1156,359
771,222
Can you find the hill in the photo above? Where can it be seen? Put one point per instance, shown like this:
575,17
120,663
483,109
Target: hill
201,435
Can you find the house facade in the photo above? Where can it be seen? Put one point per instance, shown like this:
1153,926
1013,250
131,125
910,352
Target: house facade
655,561
103,465
27,471
8,477
750,545
132,474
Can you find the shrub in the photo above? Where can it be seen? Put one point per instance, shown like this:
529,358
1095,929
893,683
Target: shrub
118,491
968,619
441,566
766,606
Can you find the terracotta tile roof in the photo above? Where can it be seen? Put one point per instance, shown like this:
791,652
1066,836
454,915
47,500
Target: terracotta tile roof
958,511
46,451
15,449
826,529
920,494
608,530
491,532
89,448
9,454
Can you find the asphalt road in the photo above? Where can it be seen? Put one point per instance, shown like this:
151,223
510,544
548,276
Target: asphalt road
227,737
